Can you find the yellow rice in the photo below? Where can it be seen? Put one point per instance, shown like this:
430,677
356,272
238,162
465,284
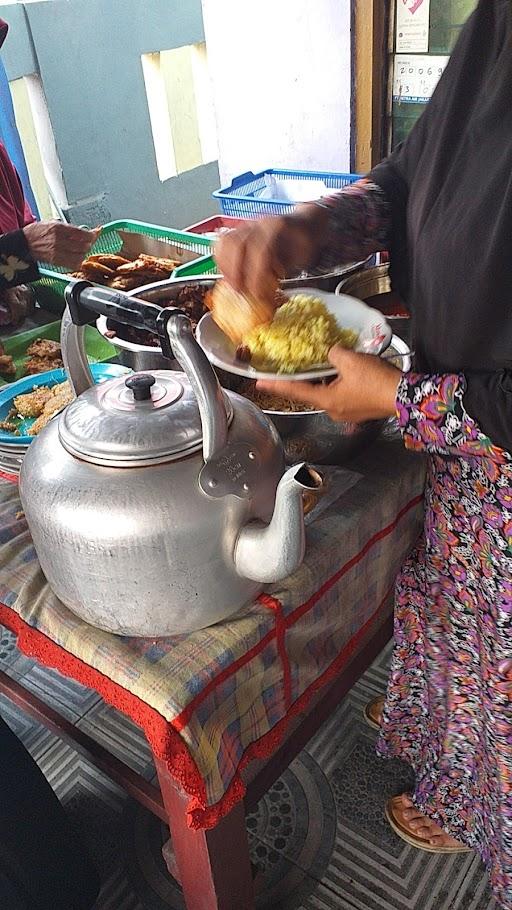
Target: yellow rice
300,336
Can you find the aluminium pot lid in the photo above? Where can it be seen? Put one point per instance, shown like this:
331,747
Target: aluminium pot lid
134,420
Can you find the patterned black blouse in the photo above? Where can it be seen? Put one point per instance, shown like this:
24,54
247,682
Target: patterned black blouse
16,264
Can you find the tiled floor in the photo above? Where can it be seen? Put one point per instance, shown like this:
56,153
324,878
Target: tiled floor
319,836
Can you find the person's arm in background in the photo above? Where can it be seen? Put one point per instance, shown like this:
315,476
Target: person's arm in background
20,251
347,226
53,242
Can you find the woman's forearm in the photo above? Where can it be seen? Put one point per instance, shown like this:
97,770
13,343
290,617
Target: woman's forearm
349,225
433,415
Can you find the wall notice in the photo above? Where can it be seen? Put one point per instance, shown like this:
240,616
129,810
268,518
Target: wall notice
412,25
416,76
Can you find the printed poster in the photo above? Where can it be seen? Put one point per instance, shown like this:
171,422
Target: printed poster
416,77
412,25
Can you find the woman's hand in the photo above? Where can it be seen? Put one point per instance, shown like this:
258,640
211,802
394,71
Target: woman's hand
253,258
366,388
58,243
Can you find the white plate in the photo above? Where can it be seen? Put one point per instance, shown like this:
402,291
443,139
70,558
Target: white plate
374,336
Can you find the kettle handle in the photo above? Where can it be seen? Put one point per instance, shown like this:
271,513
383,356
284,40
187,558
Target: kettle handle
205,385
76,365
173,327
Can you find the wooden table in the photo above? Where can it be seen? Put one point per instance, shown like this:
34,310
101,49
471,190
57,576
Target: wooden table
211,860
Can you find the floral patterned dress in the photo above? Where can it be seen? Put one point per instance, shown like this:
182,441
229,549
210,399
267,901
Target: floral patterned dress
449,709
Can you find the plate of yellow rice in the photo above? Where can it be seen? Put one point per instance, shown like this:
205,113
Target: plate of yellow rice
296,344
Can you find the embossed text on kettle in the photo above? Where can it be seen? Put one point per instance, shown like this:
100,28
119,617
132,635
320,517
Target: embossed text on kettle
233,467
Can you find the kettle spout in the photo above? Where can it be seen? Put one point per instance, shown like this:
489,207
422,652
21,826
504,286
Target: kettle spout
269,553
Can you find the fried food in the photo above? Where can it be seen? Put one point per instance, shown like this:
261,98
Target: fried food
128,283
62,395
109,260
125,274
42,403
7,365
8,426
45,347
144,270
93,271
158,262
43,355
32,404
38,365
237,314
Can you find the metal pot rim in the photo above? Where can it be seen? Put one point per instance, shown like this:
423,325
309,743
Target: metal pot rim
101,322
342,271
375,271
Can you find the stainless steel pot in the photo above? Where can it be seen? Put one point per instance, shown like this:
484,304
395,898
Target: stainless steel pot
309,435
140,357
314,437
157,503
329,281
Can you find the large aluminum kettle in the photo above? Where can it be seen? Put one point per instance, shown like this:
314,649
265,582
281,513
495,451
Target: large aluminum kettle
158,503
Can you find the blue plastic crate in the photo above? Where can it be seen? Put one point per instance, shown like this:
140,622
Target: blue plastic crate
241,197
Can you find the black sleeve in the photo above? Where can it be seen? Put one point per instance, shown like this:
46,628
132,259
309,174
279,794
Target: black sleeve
488,400
16,264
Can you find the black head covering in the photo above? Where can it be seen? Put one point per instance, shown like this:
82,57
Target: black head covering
450,190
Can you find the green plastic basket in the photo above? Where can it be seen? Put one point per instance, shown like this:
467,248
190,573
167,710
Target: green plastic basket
204,266
52,284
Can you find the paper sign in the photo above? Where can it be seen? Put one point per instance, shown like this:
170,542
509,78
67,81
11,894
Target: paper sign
412,25
416,76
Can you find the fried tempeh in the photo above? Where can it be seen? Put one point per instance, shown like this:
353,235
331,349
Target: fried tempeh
236,314
32,404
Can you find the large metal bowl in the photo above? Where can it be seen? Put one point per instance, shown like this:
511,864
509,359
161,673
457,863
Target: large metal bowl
312,435
141,357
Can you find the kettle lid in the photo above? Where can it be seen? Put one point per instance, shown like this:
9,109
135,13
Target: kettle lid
142,419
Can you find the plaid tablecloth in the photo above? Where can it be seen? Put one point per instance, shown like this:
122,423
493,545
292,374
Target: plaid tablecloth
211,701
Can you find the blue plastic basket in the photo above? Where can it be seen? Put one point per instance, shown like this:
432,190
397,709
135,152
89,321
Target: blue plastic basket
241,197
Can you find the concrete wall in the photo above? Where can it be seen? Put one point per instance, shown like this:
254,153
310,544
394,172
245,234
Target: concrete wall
282,77
88,55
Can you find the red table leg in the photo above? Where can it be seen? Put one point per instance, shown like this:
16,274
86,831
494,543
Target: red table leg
214,866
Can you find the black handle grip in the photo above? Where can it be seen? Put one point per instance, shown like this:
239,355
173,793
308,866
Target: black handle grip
86,301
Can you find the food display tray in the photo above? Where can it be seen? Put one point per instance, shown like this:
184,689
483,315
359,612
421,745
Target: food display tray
98,348
118,238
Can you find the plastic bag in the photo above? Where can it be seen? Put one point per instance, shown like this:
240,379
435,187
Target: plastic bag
292,190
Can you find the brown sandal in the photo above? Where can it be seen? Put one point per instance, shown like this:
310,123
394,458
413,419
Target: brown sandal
372,712
395,809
